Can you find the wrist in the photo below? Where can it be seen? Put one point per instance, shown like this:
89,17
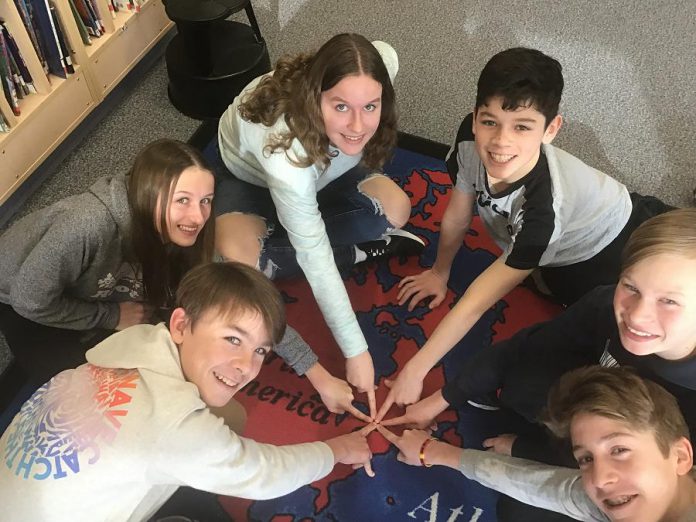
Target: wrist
316,374
440,271
440,453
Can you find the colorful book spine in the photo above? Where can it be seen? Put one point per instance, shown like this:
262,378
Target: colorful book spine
8,85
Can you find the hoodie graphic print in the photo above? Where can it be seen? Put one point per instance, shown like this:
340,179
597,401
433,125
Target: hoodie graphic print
63,426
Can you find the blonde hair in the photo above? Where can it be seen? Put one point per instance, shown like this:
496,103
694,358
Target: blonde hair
294,90
618,394
673,232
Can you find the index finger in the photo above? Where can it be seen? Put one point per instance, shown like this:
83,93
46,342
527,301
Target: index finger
366,430
391,437
385,406
372,402
396,421
358,414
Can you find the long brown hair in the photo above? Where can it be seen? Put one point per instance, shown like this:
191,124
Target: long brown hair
152,178
294,91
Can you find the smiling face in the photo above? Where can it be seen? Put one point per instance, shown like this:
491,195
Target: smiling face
509,142
351,110
220,355
189,207
655,306
625,473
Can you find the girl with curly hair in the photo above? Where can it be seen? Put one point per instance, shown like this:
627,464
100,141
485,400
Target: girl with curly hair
296,185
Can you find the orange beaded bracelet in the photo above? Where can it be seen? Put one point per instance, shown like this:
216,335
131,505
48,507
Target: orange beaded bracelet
422,452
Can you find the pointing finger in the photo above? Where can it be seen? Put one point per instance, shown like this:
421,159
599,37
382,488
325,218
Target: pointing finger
390,436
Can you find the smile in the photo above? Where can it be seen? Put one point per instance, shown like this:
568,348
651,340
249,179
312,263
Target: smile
354,139
501,158
618,501
640,333
188,229
225,380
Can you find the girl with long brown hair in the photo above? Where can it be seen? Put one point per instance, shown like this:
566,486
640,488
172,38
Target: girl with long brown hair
296,181
104,260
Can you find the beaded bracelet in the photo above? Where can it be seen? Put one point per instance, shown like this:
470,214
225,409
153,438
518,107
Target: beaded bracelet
422,452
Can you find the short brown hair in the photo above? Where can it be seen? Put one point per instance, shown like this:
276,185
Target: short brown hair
673,232
619,394
232,289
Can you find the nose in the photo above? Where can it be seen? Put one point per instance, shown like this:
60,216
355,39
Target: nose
602,474
356,122
244,362
501,134
639,310
197,214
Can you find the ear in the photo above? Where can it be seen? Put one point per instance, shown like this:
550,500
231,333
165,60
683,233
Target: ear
685,455
473,121
178,323
552,129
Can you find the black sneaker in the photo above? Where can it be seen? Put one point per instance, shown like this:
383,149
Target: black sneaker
395,242
488,402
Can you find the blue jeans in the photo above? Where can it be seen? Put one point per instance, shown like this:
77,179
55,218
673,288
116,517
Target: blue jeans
350,217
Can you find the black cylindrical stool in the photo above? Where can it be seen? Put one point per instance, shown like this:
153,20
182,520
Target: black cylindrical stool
212,59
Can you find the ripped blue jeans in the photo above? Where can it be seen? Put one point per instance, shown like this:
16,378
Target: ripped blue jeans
350,217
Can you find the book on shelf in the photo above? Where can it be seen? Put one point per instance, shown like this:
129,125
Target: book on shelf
26,13
62,40
4,126
88,18
47,30
8,85
22,76
81,27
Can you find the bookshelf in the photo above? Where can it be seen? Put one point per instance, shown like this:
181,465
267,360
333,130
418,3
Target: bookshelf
60,104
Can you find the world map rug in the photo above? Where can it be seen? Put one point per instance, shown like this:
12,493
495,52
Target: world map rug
283,408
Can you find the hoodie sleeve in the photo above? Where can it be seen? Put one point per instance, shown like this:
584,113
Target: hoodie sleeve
40,287
227,464
547,487
295,351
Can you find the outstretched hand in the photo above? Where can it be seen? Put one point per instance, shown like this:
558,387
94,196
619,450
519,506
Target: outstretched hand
409,444
353,449
501,444
361,373
336,394
415,288
406,389
421,414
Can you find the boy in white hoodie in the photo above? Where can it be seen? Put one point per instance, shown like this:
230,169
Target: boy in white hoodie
114,438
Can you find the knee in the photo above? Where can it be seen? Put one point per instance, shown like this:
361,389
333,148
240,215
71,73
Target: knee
393,202
239,237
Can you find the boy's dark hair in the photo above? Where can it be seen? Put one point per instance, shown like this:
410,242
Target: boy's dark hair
232,289
522,77
618,394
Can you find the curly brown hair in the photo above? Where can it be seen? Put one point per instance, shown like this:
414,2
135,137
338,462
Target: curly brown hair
294,90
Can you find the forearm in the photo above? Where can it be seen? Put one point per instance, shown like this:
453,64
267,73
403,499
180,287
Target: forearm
494,283
296,352
450,241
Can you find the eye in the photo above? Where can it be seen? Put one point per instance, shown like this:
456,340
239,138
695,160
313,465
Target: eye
183,201
262,351
370,107
670,302
206,201
583,460
619,450
522,128
342,107
630,288
488,123
233,340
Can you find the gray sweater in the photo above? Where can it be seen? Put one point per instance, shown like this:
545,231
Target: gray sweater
63,265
